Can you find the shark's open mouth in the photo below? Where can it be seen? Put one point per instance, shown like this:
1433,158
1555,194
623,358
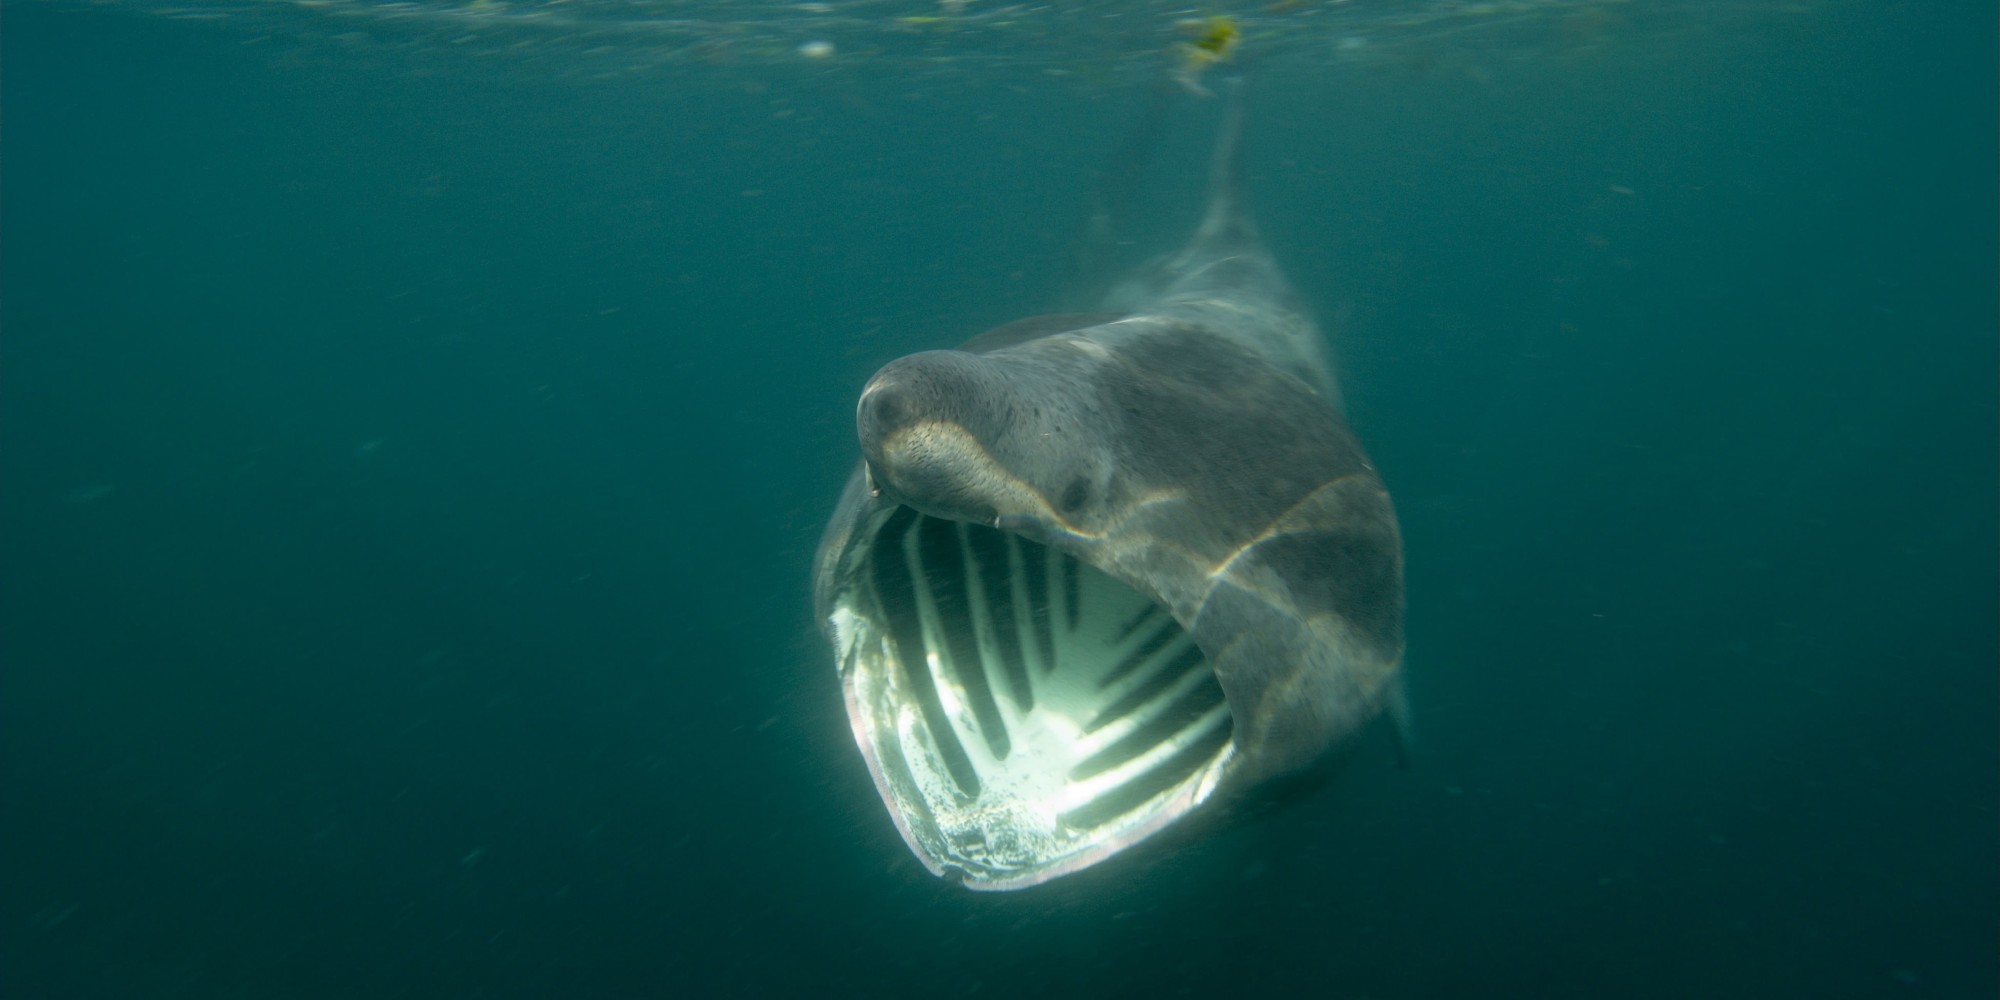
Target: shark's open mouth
1025,714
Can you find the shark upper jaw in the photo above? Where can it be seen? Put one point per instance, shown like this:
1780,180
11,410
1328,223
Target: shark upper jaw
1024,714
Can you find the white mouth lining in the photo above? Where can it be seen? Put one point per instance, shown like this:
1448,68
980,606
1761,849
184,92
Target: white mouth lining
1026,714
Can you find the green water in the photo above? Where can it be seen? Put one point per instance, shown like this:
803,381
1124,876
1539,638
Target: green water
415,427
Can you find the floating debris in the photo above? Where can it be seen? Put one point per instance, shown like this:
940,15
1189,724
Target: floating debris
1104,41
1215,38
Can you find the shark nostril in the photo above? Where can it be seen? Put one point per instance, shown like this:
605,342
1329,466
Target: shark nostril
882,411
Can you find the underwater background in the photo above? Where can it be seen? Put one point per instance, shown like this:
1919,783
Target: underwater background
417,421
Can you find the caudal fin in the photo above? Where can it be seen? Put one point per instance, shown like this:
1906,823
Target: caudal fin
1227,218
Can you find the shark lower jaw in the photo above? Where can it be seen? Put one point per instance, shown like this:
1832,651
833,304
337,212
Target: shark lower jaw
1024,714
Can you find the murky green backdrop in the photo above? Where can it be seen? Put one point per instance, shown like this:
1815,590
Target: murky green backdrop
416,423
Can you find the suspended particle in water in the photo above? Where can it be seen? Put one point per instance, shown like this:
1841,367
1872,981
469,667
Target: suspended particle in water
818,48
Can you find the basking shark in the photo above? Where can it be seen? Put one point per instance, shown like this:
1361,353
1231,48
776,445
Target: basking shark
1096,572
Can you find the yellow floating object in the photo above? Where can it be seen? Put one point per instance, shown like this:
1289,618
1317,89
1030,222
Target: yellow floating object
1219,34
1214,39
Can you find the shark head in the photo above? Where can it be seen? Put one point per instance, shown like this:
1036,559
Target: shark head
1088,581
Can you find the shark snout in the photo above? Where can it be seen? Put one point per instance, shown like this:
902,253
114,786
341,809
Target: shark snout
931,387
884,409
921,421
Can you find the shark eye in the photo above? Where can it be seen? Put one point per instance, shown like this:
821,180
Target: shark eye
1074,495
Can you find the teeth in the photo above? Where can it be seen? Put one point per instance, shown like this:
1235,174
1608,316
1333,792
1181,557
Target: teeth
1031,713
